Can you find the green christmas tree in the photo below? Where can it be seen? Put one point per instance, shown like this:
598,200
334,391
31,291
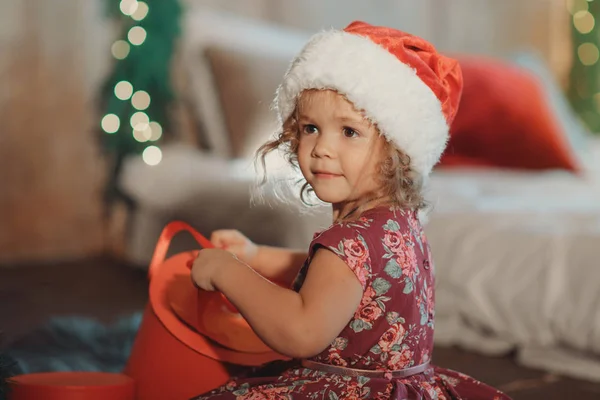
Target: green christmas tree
136,96
584,87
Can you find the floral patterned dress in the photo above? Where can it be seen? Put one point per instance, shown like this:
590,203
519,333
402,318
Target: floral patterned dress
392,328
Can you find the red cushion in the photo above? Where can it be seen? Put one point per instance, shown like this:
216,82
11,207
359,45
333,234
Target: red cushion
505,120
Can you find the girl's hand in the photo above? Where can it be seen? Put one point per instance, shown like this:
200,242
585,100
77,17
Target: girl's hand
207,265
235,242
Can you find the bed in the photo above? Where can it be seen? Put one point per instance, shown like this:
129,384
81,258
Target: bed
517,257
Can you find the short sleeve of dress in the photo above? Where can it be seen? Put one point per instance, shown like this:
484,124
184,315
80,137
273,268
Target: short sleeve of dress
349,243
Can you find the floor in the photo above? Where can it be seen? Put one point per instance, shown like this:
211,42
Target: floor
105,289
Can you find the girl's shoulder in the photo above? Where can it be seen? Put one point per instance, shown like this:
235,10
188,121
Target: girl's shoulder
370,226
368,243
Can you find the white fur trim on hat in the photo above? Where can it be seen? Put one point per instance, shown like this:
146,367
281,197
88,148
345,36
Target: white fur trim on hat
390,92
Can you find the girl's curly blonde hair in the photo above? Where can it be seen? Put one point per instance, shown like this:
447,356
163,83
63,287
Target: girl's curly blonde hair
399,183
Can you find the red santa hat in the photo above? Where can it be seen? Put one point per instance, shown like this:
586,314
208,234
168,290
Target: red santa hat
400,82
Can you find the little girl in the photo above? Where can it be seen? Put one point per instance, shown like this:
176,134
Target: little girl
365,114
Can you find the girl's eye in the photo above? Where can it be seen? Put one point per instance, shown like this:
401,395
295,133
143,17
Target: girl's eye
350,133
309,129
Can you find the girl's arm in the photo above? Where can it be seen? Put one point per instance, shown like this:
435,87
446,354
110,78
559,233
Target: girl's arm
278,264
297,325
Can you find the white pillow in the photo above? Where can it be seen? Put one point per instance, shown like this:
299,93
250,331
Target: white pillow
246,84
206,28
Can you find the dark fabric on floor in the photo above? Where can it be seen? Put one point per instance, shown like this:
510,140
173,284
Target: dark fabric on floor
76,344
8,368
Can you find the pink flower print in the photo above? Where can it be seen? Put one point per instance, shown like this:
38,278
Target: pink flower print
356,256
367,299
427,298
361,274
430,300
334,358
414,223
370,312
392,336
450,380
425,356
385,395
400,359
440,395
408,269
356,250
262,393
429,389
408,261
353,391
339,343
368,296
393,241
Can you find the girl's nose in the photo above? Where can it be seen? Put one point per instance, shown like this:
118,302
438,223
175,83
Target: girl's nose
324,146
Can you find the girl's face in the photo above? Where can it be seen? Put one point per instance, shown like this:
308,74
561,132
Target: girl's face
339,151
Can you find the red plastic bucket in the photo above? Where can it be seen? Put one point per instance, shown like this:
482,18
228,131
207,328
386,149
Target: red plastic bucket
187,336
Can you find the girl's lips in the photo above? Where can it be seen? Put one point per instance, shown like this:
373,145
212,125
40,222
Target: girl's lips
325,175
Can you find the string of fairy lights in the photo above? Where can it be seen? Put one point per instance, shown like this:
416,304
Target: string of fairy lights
143,128
584,87
584,22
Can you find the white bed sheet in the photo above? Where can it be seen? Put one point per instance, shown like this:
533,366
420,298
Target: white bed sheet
517,264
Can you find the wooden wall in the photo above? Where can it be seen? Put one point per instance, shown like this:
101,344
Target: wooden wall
50,170
491,27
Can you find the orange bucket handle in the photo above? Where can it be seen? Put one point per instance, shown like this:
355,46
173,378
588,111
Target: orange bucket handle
164,241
